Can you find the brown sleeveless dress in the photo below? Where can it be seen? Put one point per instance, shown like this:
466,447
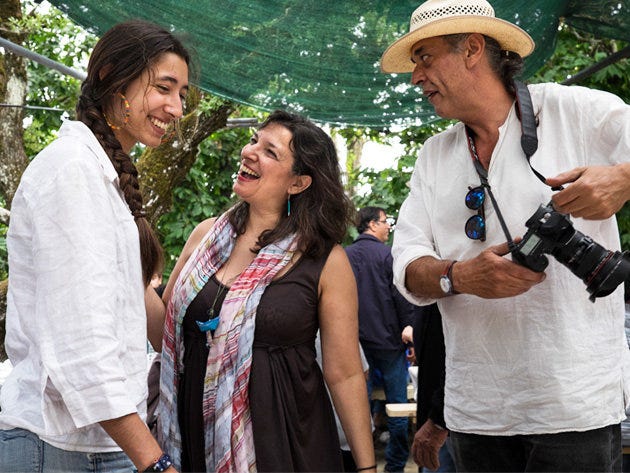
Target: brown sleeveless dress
292,418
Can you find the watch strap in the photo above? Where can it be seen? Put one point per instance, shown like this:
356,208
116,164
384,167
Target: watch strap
448,275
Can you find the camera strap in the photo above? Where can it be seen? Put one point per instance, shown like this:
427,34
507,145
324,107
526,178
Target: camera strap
529,138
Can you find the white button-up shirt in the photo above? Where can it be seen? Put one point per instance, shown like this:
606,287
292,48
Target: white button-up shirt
76,324
548,360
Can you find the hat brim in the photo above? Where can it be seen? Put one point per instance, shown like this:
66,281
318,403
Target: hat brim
397,57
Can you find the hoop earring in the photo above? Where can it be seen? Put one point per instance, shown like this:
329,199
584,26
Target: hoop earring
126,113
289,205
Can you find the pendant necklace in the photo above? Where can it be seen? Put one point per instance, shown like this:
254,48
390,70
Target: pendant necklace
213,322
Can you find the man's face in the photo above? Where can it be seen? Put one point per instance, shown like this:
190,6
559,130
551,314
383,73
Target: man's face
381,227
441,73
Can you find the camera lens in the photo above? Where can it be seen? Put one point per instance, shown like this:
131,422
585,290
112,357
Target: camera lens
601,270
614,270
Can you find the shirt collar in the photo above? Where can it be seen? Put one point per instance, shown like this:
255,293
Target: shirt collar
80,131
365,236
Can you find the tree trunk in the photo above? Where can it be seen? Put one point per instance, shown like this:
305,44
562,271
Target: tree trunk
163,168
13,86
13,159
354,149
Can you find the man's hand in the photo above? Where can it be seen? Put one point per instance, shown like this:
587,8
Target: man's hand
491,276
426,445
410,355
596,192
407,335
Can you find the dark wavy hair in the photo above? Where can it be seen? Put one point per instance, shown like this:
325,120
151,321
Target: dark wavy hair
120,56
320,214
506,64
367,215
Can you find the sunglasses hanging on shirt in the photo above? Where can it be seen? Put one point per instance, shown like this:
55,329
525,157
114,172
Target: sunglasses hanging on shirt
476,225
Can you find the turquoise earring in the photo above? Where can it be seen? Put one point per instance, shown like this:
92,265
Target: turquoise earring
289,205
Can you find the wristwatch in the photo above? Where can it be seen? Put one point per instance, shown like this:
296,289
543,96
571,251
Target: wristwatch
446,283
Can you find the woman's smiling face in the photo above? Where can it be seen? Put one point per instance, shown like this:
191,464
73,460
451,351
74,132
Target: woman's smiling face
155,100
266,171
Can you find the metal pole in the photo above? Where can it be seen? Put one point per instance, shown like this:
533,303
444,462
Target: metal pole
20,51
589,71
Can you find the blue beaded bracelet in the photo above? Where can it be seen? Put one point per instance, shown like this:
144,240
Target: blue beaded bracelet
162,464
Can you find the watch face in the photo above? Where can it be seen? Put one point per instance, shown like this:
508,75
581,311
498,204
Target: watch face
445,284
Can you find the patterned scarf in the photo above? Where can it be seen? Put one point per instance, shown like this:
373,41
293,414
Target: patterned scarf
229,443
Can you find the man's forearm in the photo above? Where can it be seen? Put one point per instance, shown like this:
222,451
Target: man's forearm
422,277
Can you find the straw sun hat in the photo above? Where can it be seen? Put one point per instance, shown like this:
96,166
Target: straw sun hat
443,17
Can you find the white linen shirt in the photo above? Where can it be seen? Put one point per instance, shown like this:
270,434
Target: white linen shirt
548,360
76,323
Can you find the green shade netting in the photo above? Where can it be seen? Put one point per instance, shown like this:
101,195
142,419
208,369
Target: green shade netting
321,57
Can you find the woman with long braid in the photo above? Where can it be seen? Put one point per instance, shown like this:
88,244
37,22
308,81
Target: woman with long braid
81,254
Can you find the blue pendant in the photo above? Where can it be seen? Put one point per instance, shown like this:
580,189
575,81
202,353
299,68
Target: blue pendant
211,324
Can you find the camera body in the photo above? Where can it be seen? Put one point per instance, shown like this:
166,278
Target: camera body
551,232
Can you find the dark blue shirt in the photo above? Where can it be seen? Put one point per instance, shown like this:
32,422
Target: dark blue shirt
383,311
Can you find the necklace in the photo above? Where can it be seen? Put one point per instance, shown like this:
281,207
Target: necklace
213,322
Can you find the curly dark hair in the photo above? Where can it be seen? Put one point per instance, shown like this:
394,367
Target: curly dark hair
119,57
320,214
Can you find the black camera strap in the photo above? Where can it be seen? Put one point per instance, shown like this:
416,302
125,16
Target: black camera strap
529,138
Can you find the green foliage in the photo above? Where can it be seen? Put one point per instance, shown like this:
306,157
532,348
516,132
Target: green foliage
389,187
577,51
623,220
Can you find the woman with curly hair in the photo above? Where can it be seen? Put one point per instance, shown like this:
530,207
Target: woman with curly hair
241,389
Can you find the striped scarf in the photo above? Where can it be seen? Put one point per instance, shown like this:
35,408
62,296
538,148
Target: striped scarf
229,443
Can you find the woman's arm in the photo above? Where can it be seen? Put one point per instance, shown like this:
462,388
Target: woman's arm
193,242
134,437
156,310
156,307
338,318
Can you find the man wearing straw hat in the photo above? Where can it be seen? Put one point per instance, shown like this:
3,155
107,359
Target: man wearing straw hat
534,376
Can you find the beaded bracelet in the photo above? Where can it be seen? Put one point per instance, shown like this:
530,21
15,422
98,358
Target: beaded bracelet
161,464
366,468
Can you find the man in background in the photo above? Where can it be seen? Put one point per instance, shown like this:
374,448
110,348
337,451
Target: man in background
385,323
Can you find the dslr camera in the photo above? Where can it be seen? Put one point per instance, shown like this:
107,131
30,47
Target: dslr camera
551,232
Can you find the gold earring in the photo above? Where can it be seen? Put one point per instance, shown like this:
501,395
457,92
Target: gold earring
126,113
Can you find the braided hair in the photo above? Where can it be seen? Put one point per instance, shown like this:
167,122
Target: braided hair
120,56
